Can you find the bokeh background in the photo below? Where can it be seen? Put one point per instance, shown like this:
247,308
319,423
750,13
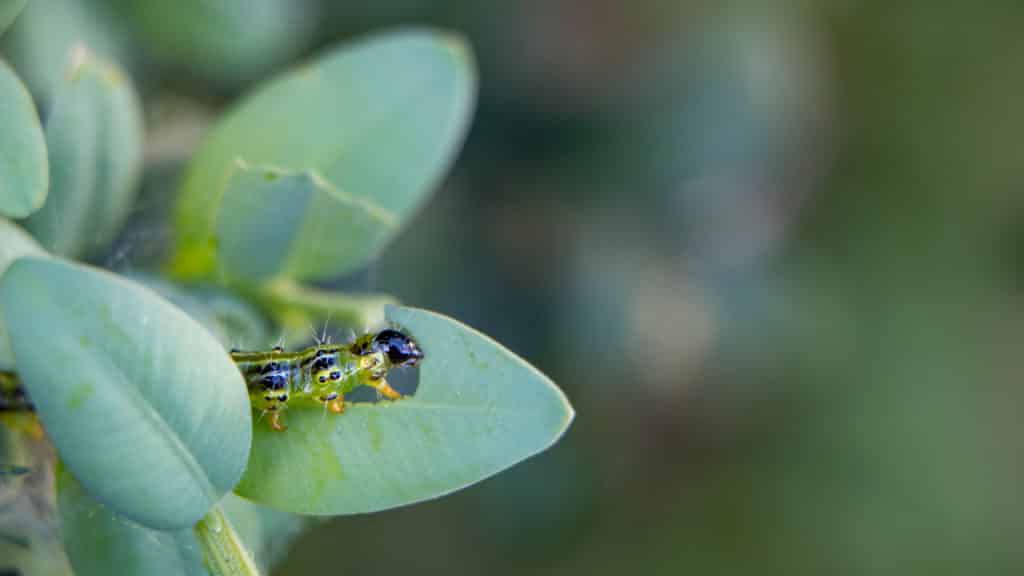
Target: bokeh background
772,251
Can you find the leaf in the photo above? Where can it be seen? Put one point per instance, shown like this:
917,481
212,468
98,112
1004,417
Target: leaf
41,40
9,10
94,138
227,41
14,243
24,171
96,539
293,224
142,404
366,130
478,410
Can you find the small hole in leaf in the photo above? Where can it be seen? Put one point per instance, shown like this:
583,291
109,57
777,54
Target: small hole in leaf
405,380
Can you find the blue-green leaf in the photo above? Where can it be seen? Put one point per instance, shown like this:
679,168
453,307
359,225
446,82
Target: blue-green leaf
227,41
14,243
96,539
364,134
94,140
143,405
24,171
275,223
9,10
478,409
40,42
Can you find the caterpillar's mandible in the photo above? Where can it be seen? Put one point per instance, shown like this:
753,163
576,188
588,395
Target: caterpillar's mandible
320,375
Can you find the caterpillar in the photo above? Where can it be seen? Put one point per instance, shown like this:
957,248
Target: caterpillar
319,375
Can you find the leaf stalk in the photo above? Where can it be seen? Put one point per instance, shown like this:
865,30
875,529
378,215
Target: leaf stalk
224,554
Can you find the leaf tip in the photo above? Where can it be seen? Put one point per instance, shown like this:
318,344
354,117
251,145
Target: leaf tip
457,45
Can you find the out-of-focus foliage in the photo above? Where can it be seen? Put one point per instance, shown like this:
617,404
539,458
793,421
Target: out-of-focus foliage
40,45
24,172
94,143
9,10
226,41
14,243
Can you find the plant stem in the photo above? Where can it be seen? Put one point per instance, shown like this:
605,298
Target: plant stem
293,303
223,552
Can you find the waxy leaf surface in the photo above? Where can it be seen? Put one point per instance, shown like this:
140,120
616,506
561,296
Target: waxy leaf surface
94,142
14,243
24,171
143,405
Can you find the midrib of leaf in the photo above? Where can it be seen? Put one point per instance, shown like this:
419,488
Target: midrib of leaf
167,434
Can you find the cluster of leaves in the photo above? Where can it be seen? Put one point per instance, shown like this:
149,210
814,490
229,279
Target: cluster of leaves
307,178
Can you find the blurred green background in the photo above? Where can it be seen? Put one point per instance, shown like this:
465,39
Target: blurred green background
771,250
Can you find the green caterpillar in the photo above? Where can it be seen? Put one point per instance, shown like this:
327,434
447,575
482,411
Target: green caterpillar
320,375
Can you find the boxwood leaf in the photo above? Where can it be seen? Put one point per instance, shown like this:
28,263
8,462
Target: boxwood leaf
274,223
377,122
42,38
478,409
14,243
95,538
143,405
227,41
24,171
94,140
9,10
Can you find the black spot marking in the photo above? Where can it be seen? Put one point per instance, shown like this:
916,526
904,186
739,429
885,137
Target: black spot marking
360,348
275,381
283,397
323,378
269,398
324,363
335,375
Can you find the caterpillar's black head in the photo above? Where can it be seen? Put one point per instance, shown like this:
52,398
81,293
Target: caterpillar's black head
400,349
